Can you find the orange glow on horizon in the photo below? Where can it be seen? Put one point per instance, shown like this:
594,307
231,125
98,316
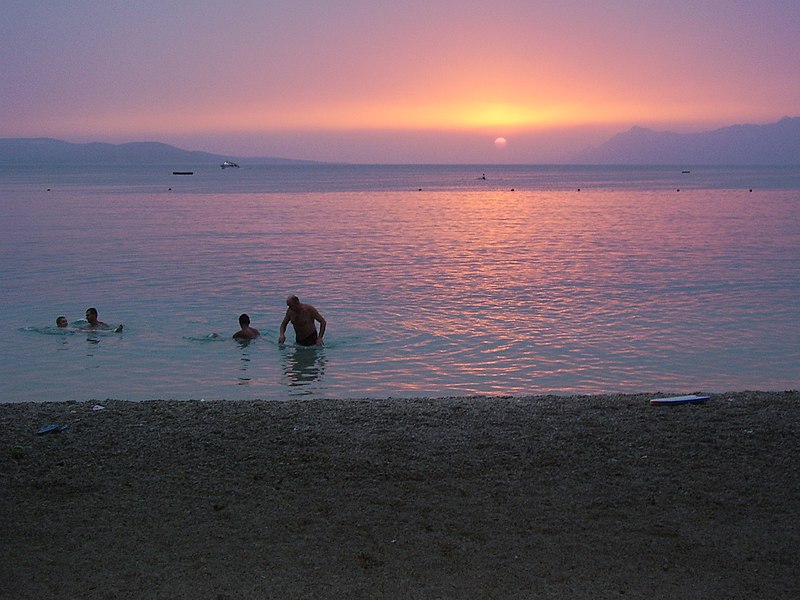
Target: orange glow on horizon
435,117
323,83
446,115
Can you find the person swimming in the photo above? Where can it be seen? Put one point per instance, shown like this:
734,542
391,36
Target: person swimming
61,322
246,332
96,324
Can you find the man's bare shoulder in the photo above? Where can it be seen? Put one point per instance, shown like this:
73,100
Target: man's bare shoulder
250,334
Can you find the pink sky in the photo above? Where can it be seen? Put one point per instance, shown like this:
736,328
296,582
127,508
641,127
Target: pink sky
414,81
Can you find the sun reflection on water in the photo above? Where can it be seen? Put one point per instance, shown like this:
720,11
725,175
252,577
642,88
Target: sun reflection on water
438,292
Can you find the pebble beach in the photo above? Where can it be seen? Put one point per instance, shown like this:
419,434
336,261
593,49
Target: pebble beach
479,497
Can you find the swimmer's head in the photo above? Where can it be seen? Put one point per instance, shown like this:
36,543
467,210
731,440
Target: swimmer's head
244,320
62,322
292,302
91,315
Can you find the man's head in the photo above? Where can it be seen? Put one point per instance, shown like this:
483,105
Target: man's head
293,302
91,315
244,320
62,322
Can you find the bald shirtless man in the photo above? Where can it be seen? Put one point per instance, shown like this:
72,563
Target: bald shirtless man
302,316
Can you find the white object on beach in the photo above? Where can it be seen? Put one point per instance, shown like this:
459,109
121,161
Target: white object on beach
679,400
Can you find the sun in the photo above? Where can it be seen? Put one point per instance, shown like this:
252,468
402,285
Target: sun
500,143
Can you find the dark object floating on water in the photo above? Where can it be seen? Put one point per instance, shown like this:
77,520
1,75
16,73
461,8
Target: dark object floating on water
228,164
685,172
183,172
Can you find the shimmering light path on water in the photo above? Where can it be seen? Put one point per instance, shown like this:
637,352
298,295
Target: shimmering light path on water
463,288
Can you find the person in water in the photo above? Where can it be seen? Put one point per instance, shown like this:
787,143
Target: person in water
95,323
62,323
302,317
246,332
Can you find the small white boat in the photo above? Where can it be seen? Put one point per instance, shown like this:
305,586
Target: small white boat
227,164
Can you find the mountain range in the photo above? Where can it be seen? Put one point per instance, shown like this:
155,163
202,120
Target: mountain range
773,144
31,151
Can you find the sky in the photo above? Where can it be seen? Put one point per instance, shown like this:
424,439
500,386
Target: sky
406,81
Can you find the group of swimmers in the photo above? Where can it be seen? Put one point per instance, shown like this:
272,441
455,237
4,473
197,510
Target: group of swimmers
303,318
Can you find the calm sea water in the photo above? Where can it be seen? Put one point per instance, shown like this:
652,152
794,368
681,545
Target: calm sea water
433,280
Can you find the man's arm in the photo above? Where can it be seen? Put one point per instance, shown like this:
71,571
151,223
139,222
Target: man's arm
322,322
282,333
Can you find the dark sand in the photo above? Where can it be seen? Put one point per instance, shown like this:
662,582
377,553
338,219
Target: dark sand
540,497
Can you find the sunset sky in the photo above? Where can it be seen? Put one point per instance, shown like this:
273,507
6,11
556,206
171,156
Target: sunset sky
408,81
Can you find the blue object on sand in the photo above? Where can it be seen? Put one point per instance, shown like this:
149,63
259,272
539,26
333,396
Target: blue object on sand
691,399
51,429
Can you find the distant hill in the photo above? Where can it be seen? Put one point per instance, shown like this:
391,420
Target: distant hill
773,144
33,151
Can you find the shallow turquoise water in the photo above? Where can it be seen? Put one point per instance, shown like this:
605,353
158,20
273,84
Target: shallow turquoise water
433,281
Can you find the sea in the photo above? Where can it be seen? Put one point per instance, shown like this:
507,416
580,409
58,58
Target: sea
434,280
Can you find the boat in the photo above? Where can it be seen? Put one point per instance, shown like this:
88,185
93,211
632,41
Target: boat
228,164
183,172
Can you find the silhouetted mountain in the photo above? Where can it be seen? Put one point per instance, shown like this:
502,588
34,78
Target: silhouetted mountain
774,144
33,151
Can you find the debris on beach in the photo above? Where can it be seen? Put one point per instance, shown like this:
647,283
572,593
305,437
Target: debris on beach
690,399
51,429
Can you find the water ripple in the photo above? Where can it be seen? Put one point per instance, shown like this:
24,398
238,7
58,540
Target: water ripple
437,292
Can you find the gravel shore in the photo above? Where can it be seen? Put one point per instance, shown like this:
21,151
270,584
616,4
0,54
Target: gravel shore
533,497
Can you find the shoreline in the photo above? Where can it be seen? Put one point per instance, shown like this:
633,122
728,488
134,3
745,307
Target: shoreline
481,497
